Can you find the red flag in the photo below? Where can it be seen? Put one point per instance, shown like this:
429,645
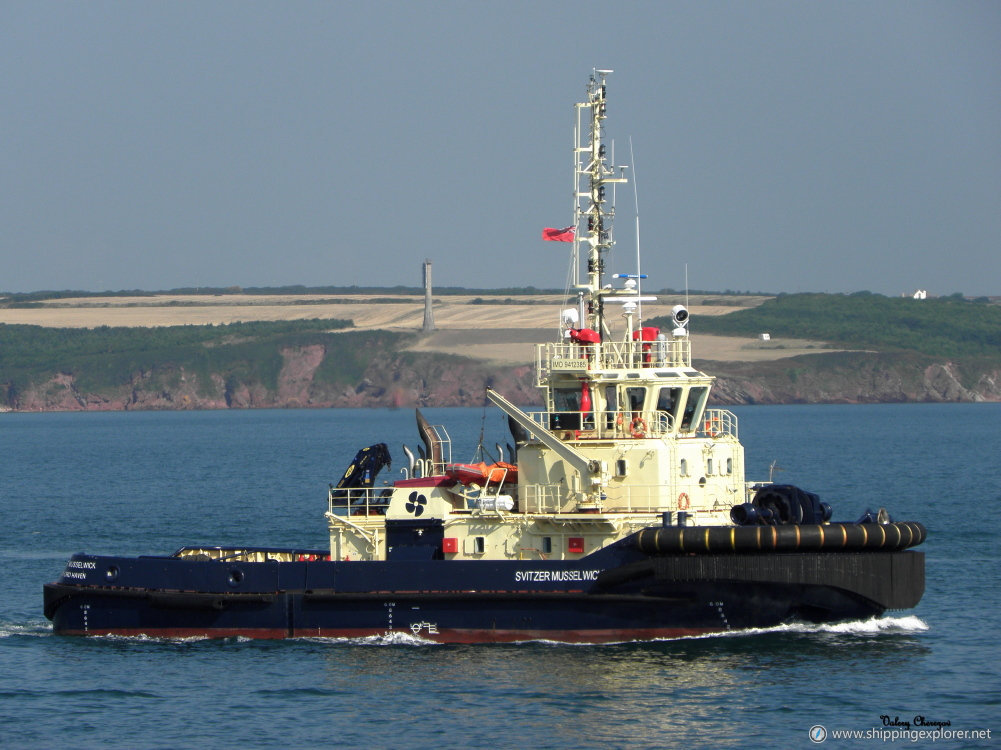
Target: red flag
559,235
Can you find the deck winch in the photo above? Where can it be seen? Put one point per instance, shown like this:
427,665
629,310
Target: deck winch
781,504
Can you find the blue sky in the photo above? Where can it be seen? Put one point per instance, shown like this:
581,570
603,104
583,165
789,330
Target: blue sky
779,146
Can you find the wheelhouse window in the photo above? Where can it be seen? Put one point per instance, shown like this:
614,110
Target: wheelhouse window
637,397
611,405
693,407
566,409
668,400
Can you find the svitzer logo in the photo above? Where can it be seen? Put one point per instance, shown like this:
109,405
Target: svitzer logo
415,503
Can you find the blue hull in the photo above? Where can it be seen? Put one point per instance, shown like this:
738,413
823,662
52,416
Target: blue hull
613,595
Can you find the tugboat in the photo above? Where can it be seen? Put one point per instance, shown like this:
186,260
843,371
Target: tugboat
624,513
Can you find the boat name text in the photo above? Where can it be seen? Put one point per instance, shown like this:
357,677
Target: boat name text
79,565
556,575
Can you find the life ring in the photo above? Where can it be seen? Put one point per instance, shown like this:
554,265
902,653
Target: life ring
637,428
713,427
683,501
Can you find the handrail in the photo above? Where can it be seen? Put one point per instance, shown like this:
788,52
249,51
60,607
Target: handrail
626,424
357,502
613,355
251,554
445,441
717,423
605,425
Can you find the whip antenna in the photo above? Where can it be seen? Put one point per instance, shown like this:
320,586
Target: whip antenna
636,203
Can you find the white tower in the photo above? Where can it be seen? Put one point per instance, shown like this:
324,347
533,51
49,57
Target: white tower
428,312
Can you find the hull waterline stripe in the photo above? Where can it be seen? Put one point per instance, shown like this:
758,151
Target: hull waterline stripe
443,636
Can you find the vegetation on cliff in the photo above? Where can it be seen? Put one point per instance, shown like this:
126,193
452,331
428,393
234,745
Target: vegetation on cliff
263,364
105,358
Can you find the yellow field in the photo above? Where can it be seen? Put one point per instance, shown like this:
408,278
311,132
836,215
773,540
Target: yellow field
497,332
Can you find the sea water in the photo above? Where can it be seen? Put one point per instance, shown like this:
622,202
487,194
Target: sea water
148,483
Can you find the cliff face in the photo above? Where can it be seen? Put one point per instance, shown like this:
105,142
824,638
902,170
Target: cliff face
408,379
854,377
391,379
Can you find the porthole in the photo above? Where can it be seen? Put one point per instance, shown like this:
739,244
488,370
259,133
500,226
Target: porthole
111,573
235,577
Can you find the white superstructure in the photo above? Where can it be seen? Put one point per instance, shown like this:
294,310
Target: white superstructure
624,441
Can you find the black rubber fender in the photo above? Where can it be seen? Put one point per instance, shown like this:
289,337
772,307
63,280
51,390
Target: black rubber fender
832,537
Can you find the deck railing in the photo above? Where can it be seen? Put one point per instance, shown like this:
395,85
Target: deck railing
590,425
613,355
371,501
607,425
252,554
718,423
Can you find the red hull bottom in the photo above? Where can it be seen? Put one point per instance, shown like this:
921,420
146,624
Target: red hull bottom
444,636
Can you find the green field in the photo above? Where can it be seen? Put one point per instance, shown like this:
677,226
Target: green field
944,326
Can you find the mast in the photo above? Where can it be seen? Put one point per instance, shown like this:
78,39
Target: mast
591,204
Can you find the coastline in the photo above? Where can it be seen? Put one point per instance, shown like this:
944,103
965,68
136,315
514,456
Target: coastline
408,380
479,342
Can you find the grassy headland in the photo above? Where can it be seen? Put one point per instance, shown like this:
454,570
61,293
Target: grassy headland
943,326
900,348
